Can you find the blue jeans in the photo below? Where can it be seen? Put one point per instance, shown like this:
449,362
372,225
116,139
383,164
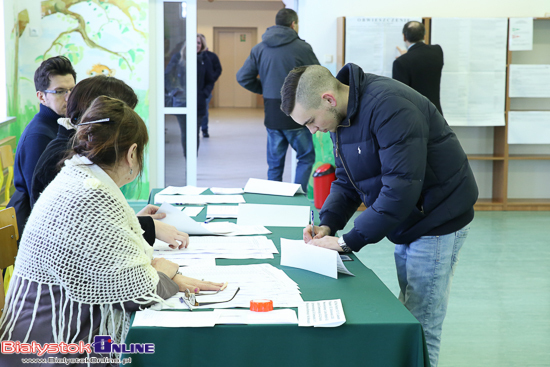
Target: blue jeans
425,270
204,122
277,144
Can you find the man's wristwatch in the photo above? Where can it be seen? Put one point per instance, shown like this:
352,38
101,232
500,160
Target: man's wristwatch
343,245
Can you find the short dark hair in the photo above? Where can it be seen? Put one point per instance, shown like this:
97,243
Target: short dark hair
57,65
414,31
90,88
288,91
285,17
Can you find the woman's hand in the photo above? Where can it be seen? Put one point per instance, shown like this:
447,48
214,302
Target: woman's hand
165,266
151,211
320,232
170,235
195,285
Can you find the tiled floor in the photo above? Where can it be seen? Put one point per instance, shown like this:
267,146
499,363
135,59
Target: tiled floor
499,311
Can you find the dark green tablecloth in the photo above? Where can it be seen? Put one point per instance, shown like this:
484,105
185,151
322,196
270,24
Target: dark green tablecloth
379,330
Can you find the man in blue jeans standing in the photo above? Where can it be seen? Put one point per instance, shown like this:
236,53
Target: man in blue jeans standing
280,50
396,154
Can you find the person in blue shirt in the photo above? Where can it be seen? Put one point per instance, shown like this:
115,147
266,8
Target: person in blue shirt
53,80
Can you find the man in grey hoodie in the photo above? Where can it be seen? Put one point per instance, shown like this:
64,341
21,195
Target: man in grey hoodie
280,51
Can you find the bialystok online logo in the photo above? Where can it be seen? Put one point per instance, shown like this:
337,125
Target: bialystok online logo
103,344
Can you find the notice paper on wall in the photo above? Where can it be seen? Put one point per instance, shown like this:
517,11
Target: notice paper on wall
520,34
266,187
321,313
297,254
530,81
529,127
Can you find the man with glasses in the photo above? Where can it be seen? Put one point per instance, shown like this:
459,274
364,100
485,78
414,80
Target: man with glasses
53,80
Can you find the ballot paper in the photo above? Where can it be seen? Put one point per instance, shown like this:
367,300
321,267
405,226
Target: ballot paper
199,199
321,313
273,215
297,254
248,230
222,211
226,191
174,319
256,281
208,247
257,186
247,317
178,219
192,211
185,190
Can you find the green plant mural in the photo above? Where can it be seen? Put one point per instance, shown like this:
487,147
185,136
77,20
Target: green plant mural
107,37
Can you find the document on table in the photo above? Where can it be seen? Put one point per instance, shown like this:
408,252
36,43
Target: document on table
529,81
192,211
247,317
174,319
256,281
226,191
297,254
178,219
321,313
199,199
185,190
274,215
257,186
222,211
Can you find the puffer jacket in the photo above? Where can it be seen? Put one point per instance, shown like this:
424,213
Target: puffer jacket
395,153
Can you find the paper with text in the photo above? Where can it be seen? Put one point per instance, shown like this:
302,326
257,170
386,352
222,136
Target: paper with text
321,313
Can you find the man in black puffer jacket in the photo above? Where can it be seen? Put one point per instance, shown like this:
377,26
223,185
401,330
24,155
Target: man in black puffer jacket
280,50
396,154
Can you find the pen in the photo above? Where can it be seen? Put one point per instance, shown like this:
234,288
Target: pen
312,225
208,219
188,305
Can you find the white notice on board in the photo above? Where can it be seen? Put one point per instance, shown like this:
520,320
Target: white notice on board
521,34
529,81
321,313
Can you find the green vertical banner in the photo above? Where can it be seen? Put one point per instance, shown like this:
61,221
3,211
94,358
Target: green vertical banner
323,154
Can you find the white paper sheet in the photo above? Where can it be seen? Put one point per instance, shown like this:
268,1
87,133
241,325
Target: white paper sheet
520,34
226,191
321,313
297,254
174,319
529,81
222,211
199,199
266,187
192,211
178,219
529,127
371,42
273,215
182,190
247,317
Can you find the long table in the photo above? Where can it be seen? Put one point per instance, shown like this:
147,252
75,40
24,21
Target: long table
379,330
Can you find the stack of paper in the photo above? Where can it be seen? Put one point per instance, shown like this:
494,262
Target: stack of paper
257,281
257,186
257,247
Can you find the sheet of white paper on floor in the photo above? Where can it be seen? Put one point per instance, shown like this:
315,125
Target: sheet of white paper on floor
297,254
247,317
266,187
226,191
273,215
174,319
321,313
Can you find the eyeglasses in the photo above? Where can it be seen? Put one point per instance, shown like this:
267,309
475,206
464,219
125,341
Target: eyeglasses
191,301
59,91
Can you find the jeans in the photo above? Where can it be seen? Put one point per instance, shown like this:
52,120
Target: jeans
182,120
277,144
425,270
204,121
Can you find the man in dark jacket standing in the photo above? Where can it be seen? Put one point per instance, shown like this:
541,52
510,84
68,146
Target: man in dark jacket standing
420,67
395,153
280,50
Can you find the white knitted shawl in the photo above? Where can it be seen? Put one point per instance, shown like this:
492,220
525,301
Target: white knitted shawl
83,237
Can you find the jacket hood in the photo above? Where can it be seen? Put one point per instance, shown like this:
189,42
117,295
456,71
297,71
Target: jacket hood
353,76
279,35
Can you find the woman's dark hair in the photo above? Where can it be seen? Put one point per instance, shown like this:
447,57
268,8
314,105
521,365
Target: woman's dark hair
106,142
57,65
89,89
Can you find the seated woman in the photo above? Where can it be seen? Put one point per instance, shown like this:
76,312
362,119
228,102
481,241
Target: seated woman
83,264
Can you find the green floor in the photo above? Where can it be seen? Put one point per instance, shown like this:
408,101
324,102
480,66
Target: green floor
499,311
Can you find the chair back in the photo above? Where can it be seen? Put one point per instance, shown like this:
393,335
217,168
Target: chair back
6,157
7,217
8,246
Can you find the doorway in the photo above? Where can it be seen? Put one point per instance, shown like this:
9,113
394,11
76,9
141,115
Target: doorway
233,45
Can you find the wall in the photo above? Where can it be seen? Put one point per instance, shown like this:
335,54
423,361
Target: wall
318,27
98,37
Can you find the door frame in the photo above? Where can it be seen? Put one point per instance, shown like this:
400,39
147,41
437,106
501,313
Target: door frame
254,39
